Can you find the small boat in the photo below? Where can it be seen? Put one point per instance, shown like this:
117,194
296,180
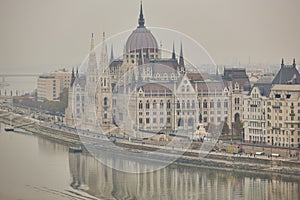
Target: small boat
74,149
9,129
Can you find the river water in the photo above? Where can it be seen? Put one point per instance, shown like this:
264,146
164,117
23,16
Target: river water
35,168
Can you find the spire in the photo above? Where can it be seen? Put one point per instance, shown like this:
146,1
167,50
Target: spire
77,73
111,53
181,59
92,42
104,57
73,77
217,72
173,54
294,62
181,50
282,62
103,36
141,19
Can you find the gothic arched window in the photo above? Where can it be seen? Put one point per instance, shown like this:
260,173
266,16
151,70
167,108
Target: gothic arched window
205,104
154,104
147,105
105,101
161,105
168,104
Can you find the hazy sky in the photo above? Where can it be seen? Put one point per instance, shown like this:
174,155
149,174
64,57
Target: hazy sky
38,35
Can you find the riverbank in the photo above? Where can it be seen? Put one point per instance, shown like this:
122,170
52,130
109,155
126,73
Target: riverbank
229,162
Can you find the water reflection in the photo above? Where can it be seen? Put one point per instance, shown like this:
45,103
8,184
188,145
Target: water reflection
175,182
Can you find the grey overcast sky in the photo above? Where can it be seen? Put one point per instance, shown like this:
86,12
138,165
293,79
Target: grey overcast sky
40,35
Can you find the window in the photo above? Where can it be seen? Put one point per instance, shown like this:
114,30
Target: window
168,104
140,120
180,122
183,104
212,104
140,105
204,104
161,105
147,105
178,104
154,104
193,104
236,100
147,120
105,101
219,104
277,96
188,104
168,120
161,120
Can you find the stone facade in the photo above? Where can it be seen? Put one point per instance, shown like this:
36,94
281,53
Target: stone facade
143,91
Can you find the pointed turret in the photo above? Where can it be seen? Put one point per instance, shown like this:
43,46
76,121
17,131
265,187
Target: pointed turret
104,57
282,62
92,42
141,18
77,73
111,54
294,62
181,59
173,53
92,62
73,77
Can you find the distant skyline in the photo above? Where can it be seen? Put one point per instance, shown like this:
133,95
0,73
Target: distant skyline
40,35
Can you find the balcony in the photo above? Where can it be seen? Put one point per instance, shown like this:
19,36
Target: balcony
276,106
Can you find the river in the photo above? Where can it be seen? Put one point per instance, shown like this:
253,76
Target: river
32,168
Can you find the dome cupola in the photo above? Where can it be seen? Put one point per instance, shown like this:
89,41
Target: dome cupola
141,38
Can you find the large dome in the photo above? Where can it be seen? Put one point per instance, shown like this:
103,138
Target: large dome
141,38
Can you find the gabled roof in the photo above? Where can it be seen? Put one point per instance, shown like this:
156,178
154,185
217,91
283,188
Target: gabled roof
288,74
237,75
195,76
164,65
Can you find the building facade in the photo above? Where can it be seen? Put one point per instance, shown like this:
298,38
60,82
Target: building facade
272,110
143,91
50,85
48,88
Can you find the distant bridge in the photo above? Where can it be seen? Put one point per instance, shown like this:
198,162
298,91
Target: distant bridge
19,75
3,76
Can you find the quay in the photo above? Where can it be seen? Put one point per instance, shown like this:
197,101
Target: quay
223,161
